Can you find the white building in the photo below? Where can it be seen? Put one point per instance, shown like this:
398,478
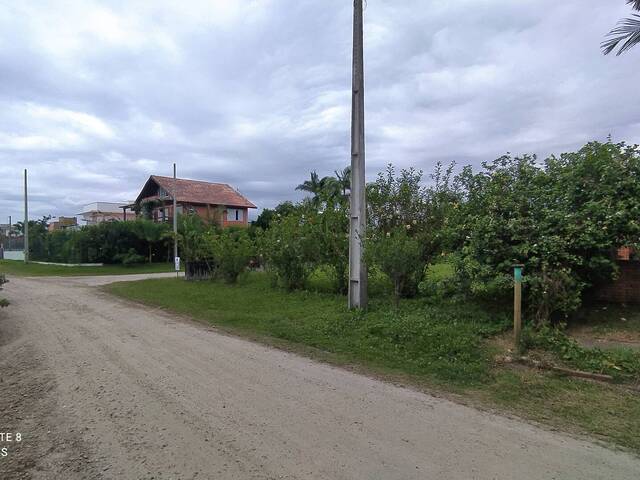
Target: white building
98,212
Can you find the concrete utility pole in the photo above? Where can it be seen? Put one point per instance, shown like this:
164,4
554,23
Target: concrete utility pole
26,220
358,220
175,221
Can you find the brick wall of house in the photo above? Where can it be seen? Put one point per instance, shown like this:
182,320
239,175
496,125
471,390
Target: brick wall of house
207,213
244,222
626,289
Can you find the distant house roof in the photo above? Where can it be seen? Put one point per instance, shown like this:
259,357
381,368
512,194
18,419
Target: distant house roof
194,191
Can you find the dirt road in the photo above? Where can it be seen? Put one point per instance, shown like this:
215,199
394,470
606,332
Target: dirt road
100,388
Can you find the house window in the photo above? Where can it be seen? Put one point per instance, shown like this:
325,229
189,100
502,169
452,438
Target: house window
234,215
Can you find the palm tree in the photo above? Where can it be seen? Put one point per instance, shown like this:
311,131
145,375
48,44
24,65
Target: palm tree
627,31
344,178
318,186
314,185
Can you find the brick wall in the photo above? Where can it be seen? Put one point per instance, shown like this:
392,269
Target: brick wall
626,289
207,213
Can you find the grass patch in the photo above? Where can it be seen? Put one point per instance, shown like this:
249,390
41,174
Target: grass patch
21,269
608,412
445,343
443,346
607,319
622,363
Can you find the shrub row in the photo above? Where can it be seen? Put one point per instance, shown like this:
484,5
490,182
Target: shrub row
563,218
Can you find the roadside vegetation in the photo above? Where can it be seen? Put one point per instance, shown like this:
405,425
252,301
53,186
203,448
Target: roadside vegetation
125,243
440,251
19,268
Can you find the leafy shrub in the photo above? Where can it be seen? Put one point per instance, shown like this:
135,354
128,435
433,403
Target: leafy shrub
407,224
400,257
152,233
290,250
196,243
563,219
106,242
330,227
194,239
232,249
130,258
439,282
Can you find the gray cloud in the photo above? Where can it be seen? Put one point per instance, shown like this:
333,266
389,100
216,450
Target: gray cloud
96,96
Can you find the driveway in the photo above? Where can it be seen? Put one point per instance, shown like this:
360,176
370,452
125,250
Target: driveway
101,388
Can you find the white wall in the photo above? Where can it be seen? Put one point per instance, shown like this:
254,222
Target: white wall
14,255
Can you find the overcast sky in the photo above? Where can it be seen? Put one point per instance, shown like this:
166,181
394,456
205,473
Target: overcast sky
97,96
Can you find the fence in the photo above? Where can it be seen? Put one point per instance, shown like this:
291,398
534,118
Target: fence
12,243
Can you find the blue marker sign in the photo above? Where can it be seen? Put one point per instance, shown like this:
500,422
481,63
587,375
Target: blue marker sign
517,273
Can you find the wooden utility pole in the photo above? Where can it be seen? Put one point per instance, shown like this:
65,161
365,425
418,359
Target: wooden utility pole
358,205
517,305
176,261
26,220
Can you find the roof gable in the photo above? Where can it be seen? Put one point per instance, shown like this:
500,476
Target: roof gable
194,191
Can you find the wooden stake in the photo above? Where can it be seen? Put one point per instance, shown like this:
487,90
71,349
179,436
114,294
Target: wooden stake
517,305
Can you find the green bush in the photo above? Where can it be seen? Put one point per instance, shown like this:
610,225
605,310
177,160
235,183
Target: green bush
290,250
130,258
330,227
407,225
563,218
439,282
107,242
194,239
400,257
233,249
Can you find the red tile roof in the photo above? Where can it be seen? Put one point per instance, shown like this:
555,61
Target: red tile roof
194,191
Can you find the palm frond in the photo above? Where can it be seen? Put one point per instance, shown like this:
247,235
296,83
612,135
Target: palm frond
627,31
635,3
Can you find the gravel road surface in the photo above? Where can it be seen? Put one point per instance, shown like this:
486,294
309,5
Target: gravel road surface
101,388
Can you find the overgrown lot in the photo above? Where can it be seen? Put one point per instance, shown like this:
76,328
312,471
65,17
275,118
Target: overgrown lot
443,347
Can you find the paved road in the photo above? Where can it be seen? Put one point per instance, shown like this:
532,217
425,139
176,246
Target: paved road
100,388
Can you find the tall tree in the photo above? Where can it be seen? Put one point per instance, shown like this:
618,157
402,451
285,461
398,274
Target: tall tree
627,32
313,185
344,179
317,186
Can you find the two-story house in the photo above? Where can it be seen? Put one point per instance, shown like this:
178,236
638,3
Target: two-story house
213,202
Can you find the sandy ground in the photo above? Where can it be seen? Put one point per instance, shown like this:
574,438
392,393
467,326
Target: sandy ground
101,388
